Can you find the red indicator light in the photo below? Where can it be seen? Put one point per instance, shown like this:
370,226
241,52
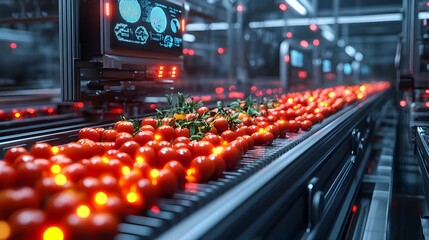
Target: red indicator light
240,8
287,58
313,27
51,110
185,51
232,88
219,90
152,105
354,208
269,91
155,209
107,9
316,42
253,89
220,50
427,104
289,34
402,103
161,71
302,74
191,52
183,24
304,44
13,45
282,6
427,4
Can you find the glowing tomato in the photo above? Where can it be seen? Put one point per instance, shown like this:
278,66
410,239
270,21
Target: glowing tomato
27,223
146,154
178,170
166,183
109,135
232,156
201,169
144,137
166,133
130,148
12,200
8,176
203,148
164,155
12,153
149,121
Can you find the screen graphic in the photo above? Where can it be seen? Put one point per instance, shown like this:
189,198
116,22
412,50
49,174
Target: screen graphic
151,26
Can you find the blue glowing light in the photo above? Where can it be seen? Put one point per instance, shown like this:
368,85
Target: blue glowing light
158,20
130,10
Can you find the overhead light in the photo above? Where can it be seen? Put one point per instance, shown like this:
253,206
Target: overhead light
327,32
297,6
219,26
194,27
188,37
358,56
341,43
350,51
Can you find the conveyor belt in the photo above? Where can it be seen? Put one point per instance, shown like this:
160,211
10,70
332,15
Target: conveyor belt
298,187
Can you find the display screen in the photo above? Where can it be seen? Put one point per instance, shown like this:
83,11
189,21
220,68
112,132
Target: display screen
146,25
326,66
296,59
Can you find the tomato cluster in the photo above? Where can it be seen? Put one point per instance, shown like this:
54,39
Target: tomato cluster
82,189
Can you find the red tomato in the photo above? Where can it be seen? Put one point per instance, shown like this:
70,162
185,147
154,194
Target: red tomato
144,137
12,200
229,135
46,186
77,227
149,121
122,138
144,168
166,133
12,153
252,129
203,148
72,151
114,205
168,121
24,158
184,156
201,169
164,155
109,135
130,148
166,183
146,154
220,165
250,141
274,130
124,126
89,133
220,124
126,181
147,128
89,185
41,150
178,170
125,158
182,132
247,121
232,156
63,203
61,160
293,126
104,225
8,176
75,171
28,173
27,223
214,139
190,116
109,183
202,110
148,191
306,125
181,145
182,140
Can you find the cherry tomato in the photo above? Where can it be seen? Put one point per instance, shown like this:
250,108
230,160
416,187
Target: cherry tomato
202,110
168,121
166,183
274,130
190,116
177,168
184,156
109,135
182,132
232,156
122,138
12,200
124,126
220,165
28,173
126,181
147,155
220,124
201,169
144,168
27,223
144,137
60,159
109,183
182,139
164,155
147,128
72,151
306,125
149,121
293,126
214,139
74,172
24,158
229,135
41,150
203,148
46,186
12,153
125,158
130,148
63,203
89,185
8,176
77,227
104,225
166,133
89,133
250,141
148,191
